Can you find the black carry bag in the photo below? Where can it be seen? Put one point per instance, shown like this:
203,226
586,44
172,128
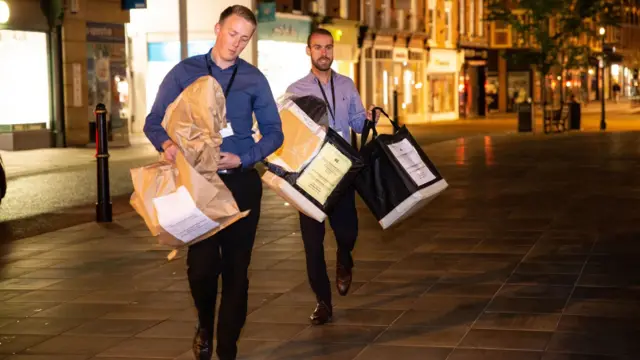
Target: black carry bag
398,178
323,169
3,181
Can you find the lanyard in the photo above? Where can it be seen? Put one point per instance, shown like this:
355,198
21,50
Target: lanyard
233,77
333,95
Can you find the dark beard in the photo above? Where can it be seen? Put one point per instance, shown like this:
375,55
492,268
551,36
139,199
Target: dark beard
322,68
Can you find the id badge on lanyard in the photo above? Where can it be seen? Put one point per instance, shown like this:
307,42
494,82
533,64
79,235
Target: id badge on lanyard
333,96
332,112
228,130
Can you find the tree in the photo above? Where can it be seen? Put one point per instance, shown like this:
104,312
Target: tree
554,31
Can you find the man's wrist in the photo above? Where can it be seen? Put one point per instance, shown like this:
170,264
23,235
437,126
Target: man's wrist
243,160
167,144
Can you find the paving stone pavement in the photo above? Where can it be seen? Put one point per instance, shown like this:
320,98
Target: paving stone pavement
531,254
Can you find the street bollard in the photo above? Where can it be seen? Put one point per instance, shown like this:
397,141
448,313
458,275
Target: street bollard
395,106
103,206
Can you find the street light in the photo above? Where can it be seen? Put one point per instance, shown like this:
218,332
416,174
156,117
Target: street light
603,123
4,12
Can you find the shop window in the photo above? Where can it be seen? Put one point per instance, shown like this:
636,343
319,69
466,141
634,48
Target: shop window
24,79
500,36
461,15
480,18
386,81
344,9
518,88
443,93
472,17
447,23
431,14
297,5
412,88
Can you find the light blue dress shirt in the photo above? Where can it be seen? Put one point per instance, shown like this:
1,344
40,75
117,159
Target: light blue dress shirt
349,111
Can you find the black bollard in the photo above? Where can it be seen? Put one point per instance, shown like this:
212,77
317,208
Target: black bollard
103,206
395,106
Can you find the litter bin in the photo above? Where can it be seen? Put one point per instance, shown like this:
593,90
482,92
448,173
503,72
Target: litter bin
525,117
575,116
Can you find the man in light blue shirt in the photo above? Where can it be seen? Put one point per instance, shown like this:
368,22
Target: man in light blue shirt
345,112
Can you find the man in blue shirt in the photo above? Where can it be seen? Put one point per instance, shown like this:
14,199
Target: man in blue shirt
228,252
345,112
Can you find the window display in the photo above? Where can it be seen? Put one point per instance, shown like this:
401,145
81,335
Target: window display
106,65
386,83
518,88
345,68
414,88
282,63
24,74
443,93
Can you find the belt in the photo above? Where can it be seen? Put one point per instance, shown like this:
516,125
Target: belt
237,170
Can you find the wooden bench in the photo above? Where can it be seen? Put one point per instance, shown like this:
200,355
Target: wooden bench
555,120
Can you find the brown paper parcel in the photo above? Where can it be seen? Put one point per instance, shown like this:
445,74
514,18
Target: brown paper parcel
303,139
193,121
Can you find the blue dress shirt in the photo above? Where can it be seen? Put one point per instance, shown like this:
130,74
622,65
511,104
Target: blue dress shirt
250,93
349,111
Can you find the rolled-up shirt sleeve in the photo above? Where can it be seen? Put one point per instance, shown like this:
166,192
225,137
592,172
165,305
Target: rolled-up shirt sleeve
269,124
169,90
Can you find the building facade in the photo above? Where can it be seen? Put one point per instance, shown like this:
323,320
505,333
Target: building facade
473,43
410,59
510,83
283,29
623,50
95,70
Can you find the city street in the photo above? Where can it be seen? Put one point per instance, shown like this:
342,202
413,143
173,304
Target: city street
530,254
61,183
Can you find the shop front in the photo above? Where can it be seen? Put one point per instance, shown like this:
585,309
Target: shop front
108,81
443,72
345,48
472,83
376,66
623,76
282,55
395,67
26,100
412,92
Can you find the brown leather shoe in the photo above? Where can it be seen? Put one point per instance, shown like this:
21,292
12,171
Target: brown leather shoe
322,314
343,279
202,344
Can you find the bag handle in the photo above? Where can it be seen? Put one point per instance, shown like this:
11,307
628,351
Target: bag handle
370,127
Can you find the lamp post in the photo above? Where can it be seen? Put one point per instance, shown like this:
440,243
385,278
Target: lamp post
603,123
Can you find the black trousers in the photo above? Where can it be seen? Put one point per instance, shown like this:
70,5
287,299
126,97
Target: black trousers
227,253
344,222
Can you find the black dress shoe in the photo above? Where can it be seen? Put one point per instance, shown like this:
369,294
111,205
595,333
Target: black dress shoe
322,314
203,344
343,279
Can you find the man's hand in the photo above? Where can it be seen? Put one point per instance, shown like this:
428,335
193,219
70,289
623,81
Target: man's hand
229,161
170,151
370,115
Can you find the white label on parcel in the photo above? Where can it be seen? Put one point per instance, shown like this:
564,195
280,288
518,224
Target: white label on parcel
324,173
179,216
411,161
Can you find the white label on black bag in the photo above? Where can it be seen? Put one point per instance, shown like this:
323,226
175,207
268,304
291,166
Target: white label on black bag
411,161
324,173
